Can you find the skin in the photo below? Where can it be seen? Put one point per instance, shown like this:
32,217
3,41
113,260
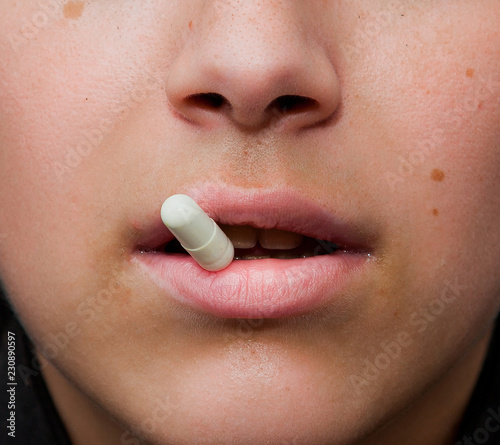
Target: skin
412,149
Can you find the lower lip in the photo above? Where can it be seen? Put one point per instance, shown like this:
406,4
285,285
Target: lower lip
264,288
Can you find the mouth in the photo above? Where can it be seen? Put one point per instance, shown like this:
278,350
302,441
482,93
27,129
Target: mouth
252,243
291,256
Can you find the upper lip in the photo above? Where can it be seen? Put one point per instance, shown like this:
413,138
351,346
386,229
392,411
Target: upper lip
284,209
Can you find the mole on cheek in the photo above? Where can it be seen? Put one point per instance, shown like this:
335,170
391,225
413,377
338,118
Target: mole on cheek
437,175
435,212
73,10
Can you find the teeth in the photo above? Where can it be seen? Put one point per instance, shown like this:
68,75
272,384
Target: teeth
272,243
242,237
279,239
245,237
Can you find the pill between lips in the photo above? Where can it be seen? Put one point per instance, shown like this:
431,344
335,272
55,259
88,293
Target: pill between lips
198,234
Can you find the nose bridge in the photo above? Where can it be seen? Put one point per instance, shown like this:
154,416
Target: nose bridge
260,18
257,43
250,33
250,61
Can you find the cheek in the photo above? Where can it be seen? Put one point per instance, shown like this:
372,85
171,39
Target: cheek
431,155
59,107
447,174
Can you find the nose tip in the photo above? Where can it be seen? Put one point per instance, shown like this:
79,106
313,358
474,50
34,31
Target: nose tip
254,79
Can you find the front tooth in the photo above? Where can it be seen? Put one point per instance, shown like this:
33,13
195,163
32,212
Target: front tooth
279,239
242,237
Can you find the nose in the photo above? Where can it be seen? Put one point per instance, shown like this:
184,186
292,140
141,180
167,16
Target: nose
254,66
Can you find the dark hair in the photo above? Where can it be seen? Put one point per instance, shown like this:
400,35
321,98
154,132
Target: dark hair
5,309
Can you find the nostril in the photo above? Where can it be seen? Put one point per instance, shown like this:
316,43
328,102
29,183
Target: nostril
212,101
292,104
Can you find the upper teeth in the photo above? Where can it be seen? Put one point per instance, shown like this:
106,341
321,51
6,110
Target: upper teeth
279,239
242,237
246,237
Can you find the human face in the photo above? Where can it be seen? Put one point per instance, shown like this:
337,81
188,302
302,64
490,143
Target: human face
397,143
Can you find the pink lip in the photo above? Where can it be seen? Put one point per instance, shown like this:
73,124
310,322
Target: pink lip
266,288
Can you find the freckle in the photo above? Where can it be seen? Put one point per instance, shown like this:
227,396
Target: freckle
435,212
73,10
428,91
480,105
437,175
191,24
469,72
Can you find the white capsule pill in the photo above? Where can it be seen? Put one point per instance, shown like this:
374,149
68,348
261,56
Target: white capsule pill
202,238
